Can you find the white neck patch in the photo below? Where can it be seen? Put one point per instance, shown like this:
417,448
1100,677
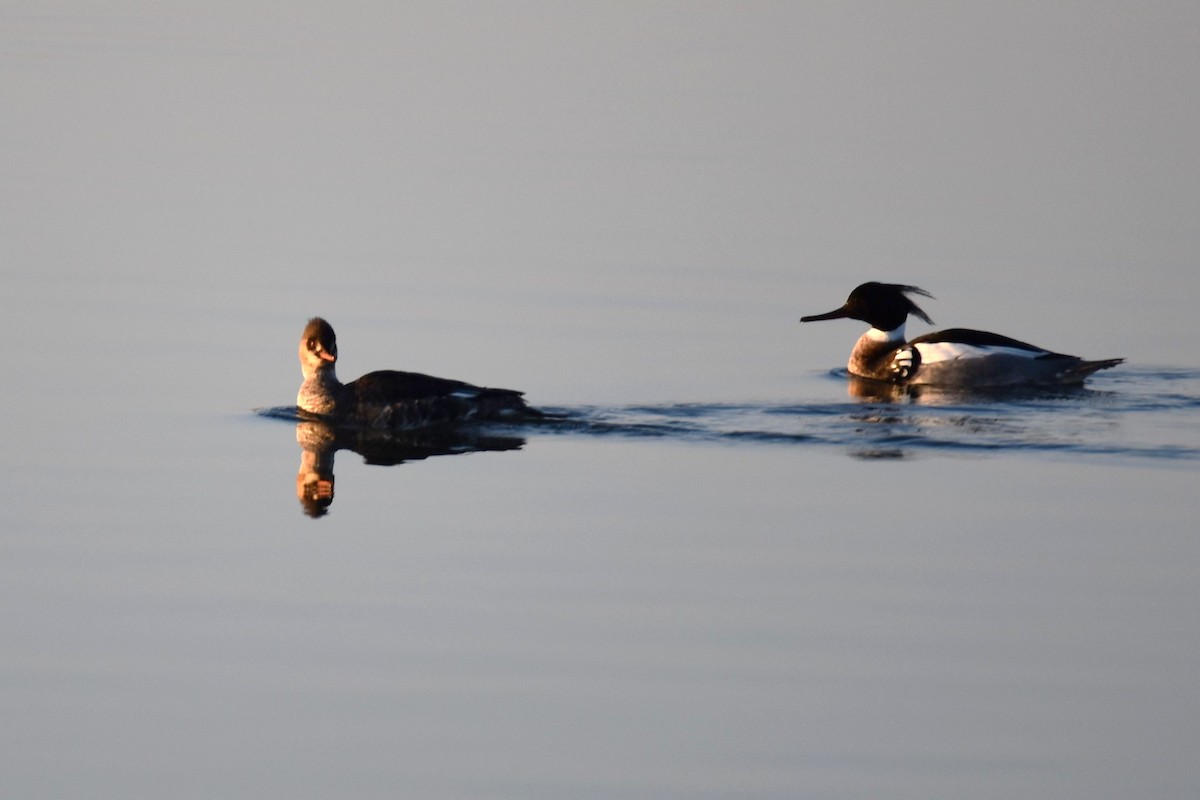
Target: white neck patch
876,335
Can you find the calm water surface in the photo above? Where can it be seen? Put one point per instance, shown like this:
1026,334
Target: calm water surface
724,573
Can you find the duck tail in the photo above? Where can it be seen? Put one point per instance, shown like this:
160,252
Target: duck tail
1077,372
509,404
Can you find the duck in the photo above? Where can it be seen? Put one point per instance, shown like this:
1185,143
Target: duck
390,400
959,358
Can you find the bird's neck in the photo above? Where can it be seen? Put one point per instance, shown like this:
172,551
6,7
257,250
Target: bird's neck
871,347
321,391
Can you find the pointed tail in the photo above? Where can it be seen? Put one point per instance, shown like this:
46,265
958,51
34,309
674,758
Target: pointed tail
1080,371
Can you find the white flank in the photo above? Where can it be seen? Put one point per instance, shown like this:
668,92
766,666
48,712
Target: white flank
932,352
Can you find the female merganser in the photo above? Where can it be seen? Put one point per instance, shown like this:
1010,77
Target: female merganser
390,400
956,357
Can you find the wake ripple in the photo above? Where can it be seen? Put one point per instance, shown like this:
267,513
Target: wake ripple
1145,414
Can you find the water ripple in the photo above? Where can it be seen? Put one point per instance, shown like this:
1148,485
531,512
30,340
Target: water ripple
1147,413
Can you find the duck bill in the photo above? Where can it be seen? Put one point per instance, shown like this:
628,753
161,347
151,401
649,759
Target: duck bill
837,313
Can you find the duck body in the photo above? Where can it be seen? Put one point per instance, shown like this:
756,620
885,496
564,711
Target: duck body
390,399
955,358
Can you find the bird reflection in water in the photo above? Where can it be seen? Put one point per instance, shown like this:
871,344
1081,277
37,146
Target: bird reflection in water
319,442
873,391
890,420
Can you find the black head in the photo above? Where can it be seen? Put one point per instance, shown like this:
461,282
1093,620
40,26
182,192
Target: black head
881,305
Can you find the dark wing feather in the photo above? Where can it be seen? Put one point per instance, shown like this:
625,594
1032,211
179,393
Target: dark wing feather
395,400
394,386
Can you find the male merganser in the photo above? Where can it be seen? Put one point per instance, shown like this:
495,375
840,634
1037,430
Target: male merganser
956,357
390,400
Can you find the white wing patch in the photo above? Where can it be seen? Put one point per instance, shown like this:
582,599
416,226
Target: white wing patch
902,362
932,352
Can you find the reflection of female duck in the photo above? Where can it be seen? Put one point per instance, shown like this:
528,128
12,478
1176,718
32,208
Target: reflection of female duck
391,400
319,443
314,481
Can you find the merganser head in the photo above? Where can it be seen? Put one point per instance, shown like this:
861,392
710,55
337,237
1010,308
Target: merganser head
884,306
318,347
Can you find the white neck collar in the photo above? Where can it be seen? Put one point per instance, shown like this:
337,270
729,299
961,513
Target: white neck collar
876,335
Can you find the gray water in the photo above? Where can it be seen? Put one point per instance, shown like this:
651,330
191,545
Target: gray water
722,573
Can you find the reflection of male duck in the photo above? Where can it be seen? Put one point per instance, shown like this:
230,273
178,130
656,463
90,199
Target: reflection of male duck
390,400
320,442
874,391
